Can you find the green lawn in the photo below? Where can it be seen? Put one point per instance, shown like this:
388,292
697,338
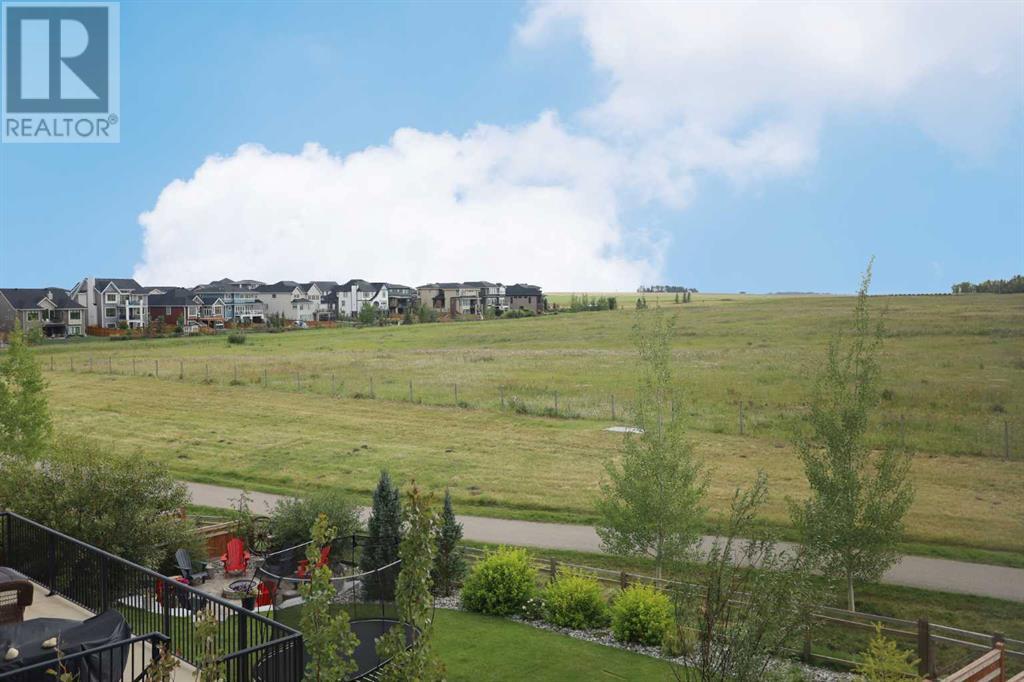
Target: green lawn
488,649
954,365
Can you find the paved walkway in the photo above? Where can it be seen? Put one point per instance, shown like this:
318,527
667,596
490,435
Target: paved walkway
912,571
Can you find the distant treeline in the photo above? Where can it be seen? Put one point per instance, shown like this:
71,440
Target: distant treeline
579,303
664,288
1014,285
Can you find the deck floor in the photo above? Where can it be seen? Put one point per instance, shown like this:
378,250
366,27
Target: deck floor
44,606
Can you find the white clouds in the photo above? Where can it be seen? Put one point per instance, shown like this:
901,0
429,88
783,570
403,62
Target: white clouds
737,89
531,204
777,68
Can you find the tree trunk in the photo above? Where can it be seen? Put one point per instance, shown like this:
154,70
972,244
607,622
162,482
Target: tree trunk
849,592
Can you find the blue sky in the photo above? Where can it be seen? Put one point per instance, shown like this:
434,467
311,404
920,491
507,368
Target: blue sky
543,143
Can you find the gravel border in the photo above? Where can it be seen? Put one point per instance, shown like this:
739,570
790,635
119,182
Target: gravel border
604,637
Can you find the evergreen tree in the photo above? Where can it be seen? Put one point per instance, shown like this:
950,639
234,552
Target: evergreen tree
385,531
24,416
449,564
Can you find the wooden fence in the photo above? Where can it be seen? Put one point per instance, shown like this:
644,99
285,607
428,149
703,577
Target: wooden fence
929,638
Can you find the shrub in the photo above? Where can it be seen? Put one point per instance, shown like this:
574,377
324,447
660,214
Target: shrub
641,614
575,601
501,583
291,519
884,661
678,641
236,337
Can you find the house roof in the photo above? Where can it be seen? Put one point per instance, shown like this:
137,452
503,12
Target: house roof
124,284
29,299
481,284
393,286
324,285
174,296
522,290
222,287
284,286
361,285
210,299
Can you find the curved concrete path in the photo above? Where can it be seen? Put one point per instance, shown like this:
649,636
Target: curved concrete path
912,571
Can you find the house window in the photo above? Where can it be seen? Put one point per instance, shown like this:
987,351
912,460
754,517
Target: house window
111,298
75,315
74,331
167,310
110,312
33,315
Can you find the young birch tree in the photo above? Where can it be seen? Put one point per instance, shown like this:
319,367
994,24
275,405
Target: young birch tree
651,501
25,426
853,519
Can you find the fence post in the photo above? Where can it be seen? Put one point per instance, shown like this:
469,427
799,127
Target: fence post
553,568
371,388
243,644
207,372
110,365
334,384
410,390
181,370
805,655
501,390
265,377
741,417
903,431
72,363
925,654
236,372
90,363
623,580
1006,439
456,387
156,367
298,382
613,407
556,401
51,362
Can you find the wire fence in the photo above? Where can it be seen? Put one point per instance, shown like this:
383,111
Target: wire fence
1000,435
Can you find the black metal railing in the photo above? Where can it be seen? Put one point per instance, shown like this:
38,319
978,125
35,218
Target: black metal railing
149,602
115,662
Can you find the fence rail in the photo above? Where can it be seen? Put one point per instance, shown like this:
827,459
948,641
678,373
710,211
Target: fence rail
150,603
998,436
939,648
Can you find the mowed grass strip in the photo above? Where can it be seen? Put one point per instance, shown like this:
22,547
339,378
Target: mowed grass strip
953,367
489,649
496,463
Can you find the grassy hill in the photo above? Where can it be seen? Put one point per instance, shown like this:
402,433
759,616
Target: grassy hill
330,407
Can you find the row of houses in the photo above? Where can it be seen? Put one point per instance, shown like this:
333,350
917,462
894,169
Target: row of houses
113,303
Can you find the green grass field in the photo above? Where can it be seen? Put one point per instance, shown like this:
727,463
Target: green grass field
954,366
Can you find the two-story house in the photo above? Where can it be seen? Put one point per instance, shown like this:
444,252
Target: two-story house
453,298
400,297
52,310
318,291
492,296
176,306
355,293
241,302
113,302
525,297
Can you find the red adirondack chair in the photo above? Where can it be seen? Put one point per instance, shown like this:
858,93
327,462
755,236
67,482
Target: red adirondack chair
236,559
325,555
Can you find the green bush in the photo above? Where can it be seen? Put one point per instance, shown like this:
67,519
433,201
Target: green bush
641,614
236,337
292,518
501,583
575,601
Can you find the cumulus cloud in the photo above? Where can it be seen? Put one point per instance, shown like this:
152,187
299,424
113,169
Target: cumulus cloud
528,204
741,90
760,76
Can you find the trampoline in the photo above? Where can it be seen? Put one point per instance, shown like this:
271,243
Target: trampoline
367,597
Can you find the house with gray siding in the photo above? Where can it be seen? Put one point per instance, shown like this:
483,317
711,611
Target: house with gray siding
51,310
